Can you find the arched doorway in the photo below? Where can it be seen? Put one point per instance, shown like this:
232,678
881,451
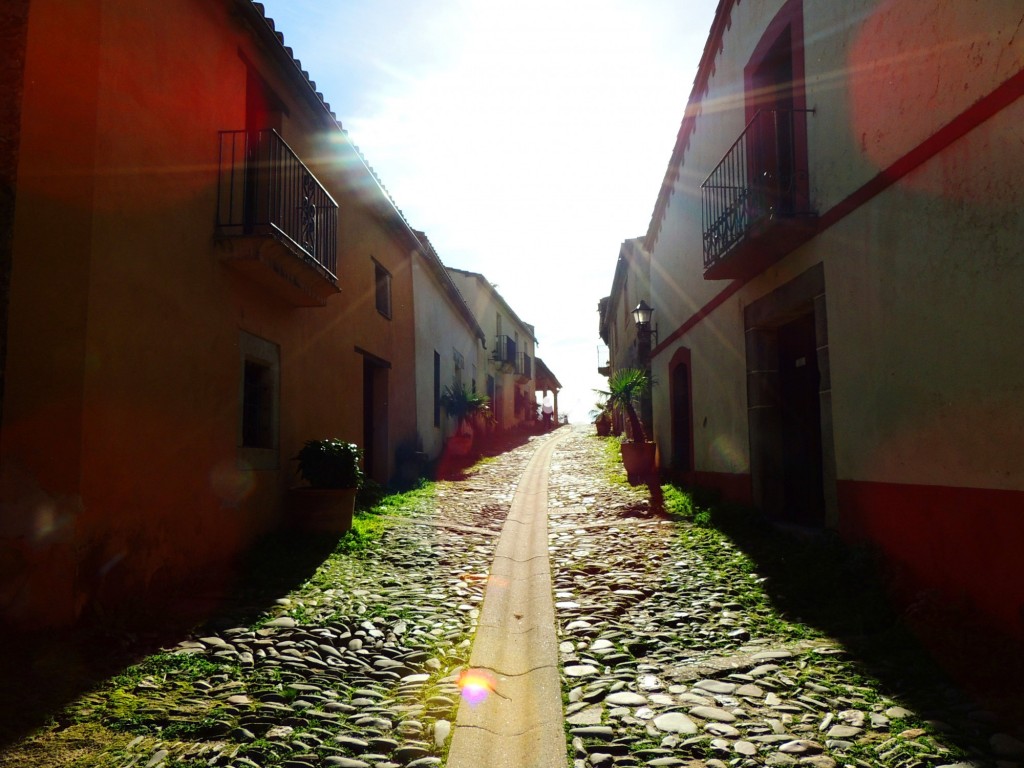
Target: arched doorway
681,412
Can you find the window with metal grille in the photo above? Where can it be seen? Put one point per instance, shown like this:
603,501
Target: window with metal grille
382,283
437,389
257,405
259,389
459,365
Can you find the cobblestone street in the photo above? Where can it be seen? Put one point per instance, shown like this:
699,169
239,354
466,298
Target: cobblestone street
670,655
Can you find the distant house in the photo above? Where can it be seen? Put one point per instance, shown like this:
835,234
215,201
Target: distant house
835,264
449,346
510,371
630,285
204,273
546,381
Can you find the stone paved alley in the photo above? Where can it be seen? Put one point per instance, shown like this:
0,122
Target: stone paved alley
668,656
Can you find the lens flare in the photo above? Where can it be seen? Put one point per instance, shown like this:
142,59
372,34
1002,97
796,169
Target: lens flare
476,685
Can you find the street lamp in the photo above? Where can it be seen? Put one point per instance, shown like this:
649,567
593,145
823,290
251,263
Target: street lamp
642,317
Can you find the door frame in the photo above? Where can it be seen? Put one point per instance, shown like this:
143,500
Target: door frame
762,319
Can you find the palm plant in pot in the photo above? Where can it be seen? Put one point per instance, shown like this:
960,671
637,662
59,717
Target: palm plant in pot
602,418
463,405
626,387
332,469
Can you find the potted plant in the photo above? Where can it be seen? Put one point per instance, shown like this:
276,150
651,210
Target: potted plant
464,406
332,469
602,418
625,388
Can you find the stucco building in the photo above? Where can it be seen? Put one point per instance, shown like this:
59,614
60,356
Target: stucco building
509,377
204,273
631,284
449,347
835,267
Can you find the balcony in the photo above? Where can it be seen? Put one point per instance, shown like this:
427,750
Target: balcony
505,354
524,367
275,221
755,204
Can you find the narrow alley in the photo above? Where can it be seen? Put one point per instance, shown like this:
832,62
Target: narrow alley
668,654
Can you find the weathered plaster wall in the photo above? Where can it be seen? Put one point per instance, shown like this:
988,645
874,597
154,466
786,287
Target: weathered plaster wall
485,307
440,328
627,291
922,283
122,465
865,64
926,389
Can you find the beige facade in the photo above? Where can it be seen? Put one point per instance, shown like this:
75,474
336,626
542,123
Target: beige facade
187,306
510,377
630,285
833,263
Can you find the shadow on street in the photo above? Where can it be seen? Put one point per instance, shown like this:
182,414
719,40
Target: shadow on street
46,670
943,660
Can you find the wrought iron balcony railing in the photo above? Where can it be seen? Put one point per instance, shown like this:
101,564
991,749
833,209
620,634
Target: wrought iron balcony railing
505,350
525,366
762,180
266,190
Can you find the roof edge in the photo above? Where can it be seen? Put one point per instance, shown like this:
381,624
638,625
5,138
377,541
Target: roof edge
705,69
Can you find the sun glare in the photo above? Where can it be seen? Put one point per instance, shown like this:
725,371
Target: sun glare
476,685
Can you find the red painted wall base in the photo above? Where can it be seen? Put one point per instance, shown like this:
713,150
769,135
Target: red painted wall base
734,488
963,545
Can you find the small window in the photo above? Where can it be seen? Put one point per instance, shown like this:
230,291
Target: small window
257,405
382,284
459,364
437,389
259,389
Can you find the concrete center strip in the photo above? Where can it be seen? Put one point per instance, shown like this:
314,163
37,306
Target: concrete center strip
511,712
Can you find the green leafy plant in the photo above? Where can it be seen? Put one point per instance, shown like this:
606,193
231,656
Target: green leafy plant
463,404
625,388
330,463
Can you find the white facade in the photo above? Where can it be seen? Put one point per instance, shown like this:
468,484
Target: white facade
630,285
449,347
893,287
509,375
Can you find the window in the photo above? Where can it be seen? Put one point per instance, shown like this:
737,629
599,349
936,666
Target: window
774,87
257,405
437,389
459,364
259,393
382,287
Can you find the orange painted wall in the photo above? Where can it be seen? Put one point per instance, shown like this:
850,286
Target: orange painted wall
121,417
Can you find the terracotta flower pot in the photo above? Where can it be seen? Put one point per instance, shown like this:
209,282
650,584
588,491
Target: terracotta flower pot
322,510
638,459
459,445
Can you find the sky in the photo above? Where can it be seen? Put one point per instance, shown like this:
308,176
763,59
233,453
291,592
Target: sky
528,139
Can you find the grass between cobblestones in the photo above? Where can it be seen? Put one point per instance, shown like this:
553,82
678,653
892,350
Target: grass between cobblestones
828,603
165,695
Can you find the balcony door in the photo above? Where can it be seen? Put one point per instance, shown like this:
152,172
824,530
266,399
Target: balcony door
777,143
263,112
